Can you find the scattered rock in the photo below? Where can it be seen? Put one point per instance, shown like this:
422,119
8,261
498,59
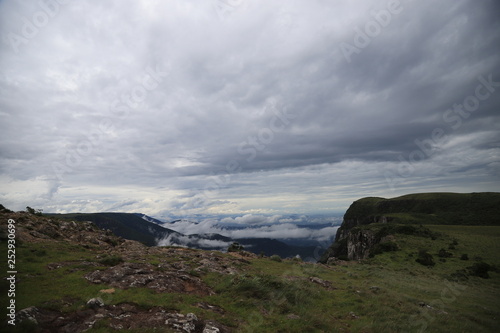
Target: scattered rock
332,261
209,328
129,275
325,284
28,314
293,316
353,315
210,307
94,303
125,316
57,265
185,323
215,265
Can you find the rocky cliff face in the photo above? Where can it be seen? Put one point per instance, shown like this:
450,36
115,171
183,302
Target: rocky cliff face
360,243
352,242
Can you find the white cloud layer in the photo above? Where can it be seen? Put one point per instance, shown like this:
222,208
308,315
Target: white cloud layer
259,226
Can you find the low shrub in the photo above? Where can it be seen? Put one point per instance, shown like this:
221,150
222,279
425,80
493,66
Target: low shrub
420,231
384,247
111,260
444,254
425,258
39,253
480,269
270,288
235,247
275,257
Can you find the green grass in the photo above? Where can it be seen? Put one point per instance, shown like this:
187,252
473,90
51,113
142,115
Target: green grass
381,294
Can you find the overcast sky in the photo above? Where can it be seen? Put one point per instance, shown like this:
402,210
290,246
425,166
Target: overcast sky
245,107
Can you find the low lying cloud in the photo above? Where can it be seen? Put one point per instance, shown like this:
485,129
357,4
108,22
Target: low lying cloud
260,226
250,219
193,242
285,231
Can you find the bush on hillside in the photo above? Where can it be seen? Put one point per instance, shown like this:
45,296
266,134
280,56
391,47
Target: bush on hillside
111,261
444,254
33,211
235,247
425,258
421,231
275,257
384,247
480,269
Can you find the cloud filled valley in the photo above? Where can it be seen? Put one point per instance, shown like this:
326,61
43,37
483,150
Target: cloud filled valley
302,230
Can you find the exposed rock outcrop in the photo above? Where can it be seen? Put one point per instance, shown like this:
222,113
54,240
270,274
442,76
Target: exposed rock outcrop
123,316
360,243
129,275
352,242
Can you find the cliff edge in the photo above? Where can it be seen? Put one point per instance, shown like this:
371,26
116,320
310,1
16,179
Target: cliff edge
354,241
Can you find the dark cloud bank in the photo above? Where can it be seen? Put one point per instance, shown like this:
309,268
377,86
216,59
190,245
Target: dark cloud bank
247,107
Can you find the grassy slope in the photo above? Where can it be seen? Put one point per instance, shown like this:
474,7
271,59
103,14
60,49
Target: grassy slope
381,294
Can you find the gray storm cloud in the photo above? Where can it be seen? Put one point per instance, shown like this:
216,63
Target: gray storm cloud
249,107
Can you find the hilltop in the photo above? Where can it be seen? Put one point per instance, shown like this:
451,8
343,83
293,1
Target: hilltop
369,221
431,208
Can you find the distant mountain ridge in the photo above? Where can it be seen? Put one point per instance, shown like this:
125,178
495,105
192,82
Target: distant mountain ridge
150,219
352,241
126,225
